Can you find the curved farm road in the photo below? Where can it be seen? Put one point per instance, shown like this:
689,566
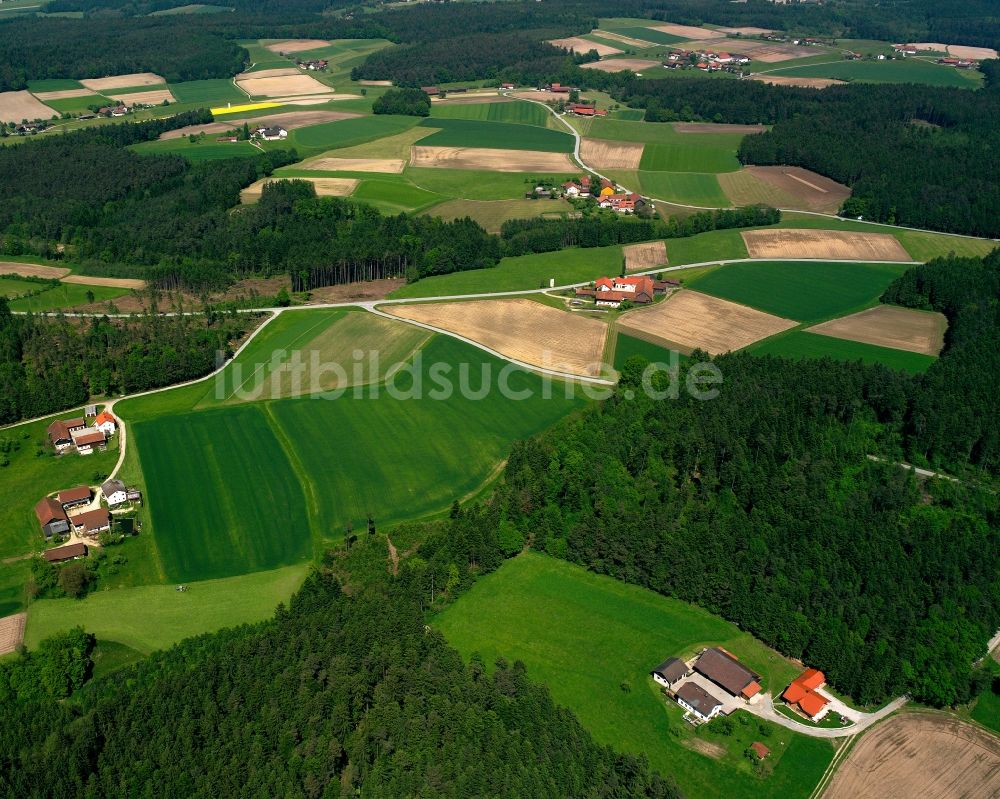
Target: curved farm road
862,721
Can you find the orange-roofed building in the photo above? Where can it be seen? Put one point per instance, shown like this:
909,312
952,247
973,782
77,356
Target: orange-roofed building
106,423
802,692
794,692
751,690
813,705
811,679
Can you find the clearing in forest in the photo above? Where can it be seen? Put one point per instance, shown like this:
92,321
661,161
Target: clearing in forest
15,106
11,632
824,244
890,326
621,64
325,187
489,159
521,329
123,81
920,756
579,45
602,154
689,320
639,257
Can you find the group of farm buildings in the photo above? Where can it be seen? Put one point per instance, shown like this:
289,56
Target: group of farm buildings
611,292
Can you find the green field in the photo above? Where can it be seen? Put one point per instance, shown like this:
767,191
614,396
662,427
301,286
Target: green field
209,92
807,291
693,152
987,708
522,273
645,34
713,245
519,112
625,130
53,85
66,295
154,617
491,214
627,346
686,188
12,287
907,70
76,105
345,132
803,344
394,197
222,494
472,184
585,635
501,135
206,149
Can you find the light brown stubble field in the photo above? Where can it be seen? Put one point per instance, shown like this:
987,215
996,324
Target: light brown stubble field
620,64
297,45
890,326
123,81
578,45
828,244
812,191
325,187
282,85
603,154
15,106
11,632
490,159
639,257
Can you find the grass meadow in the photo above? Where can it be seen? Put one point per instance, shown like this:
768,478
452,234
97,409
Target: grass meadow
314,139
518,112
500,135
629,346
472,184
586,635
803,344
686,188
211,92
10,286
693,152
66,295
907,70
395,196
807,291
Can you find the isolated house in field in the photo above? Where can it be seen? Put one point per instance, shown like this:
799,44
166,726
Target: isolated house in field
68,552
695,699
51,517
115,492
106,423
803,692
272,134
86,440
760,750
61,432
670,671
723,669
74,497
92,522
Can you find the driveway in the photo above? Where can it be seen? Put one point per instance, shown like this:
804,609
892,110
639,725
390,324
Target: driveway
862,721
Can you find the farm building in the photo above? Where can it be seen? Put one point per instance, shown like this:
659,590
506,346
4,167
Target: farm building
723,669
558,88
271,134
430,91
570,189
114,492
621,203
670,671
802,692
92,522
613,291
760,750
507,86
72,497
51,517
68,552
583,110
106,423
61,432
86,440
316,65
695,699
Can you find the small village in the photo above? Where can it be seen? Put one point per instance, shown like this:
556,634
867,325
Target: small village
604,193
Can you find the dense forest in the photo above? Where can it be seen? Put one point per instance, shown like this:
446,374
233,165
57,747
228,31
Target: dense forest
405,102
48,364
337,696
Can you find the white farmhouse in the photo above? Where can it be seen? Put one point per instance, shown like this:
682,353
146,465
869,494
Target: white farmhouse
106,423
114,492
698,701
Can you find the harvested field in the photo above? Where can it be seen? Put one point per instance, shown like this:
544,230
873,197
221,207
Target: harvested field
375,82
578,45
280,72
313,99
824,244
744,188
472,98
789,80
15,106
975,53
288,120
11,632
920,756
111,282
351,292
297,45
611,155
620,64
395,146
689,320
123,81
713,127
639,257
31,270
325,187
541,97
628,40
747,31
812,192
521,329
383,165
890,326
489,159
65,94
152,97
935,47
282,86
686,31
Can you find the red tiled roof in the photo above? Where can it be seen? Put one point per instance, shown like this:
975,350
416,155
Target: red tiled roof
751,690
811,679
794,692
812,703
103,417
93,519
89,438
76,494
67,552
48,510
761,750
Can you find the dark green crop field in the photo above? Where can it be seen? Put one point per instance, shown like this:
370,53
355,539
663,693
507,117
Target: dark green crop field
519,112
803,344
501,135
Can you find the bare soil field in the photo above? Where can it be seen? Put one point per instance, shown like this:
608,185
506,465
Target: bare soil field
282,85
152,97
315,99
15,106
747,31
541,97
325,187
65,94
686,31
383,165
770,53
113,282
521,329
489,159
297,45
935,47
812,192
890,326
11,632
31,270
744,188
375,82
269,73
804,83
472,98
611,155
620,64
829,244
349,292
627,40
920,756
578,45
712,127
123,81
639,257
976,53
690,320
286,119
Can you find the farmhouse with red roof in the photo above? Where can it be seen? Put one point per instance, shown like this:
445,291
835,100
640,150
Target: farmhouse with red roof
803,693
